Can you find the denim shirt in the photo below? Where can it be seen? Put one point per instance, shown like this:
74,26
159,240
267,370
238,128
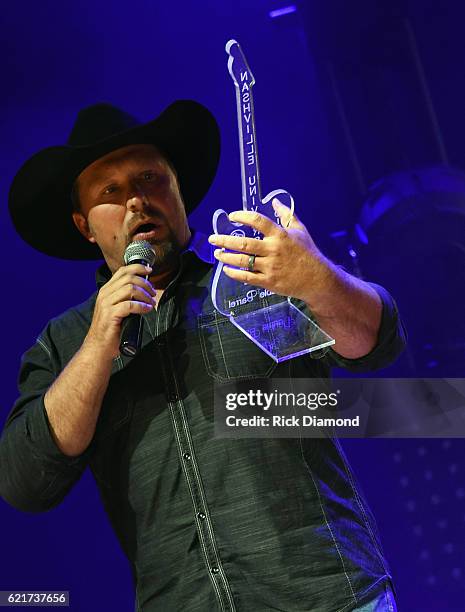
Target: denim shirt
206,523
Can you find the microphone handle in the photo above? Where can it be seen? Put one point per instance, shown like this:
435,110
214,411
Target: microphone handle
131,332
131,335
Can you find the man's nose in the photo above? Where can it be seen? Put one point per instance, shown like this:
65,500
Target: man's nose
136,199
135,202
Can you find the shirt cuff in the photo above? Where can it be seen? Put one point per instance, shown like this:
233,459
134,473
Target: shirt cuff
43,445
391,341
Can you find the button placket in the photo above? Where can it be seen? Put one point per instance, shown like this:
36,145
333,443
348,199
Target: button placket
190,468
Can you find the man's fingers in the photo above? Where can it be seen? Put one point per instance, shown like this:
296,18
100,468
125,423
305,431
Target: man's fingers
127,278
287,218
244,276
131,292
239,260
253,246
254,219
124,309
135,268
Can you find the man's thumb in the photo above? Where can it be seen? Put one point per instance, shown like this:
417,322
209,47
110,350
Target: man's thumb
284,212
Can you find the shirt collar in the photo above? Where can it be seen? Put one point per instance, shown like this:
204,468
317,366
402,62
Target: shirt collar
198,246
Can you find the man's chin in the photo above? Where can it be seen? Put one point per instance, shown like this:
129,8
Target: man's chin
166,253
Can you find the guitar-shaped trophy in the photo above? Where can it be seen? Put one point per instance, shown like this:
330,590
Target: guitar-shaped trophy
269,320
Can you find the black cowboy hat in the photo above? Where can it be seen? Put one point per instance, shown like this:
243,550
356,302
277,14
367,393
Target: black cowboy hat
40,195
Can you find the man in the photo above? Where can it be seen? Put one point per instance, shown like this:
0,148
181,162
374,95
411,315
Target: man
207,524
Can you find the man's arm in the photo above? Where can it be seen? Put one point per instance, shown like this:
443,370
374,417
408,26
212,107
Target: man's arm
74,400
348,309
34,474
47,438
391,340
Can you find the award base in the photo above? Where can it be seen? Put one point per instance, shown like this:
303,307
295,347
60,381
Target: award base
282,331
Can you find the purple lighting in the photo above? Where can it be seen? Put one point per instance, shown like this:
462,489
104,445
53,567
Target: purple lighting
283,11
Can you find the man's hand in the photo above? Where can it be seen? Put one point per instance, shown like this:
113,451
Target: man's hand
287,260
289,263
127,292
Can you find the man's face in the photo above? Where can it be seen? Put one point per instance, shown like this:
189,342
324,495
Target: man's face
132,194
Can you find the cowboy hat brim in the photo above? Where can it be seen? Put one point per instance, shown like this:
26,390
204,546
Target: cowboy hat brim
40,195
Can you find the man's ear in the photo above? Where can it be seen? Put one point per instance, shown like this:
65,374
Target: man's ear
83,226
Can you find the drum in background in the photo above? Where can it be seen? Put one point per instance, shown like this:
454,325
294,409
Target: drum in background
410,238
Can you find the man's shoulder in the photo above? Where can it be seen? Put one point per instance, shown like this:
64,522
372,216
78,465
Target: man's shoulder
66,331
75,315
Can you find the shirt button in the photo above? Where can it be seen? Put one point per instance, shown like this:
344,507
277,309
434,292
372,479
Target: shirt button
187,456
214,570
201,516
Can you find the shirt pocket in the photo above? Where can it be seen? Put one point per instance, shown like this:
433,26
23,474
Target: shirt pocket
227,353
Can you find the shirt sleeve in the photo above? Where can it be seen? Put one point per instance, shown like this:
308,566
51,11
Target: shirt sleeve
35,475
392,339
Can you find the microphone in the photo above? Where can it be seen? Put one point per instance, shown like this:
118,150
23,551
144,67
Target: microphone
141,252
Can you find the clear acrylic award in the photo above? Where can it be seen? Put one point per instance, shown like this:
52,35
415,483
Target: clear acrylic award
271,321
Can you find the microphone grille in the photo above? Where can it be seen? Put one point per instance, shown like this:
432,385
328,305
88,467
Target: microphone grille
139,251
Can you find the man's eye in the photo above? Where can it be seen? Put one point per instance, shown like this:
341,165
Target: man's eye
109,189
148,176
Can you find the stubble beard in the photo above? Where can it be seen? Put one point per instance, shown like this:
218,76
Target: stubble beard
167,252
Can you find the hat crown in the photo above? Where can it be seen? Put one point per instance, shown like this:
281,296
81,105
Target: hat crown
98,122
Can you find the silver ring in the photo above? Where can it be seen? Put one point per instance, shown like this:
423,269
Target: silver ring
251,265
